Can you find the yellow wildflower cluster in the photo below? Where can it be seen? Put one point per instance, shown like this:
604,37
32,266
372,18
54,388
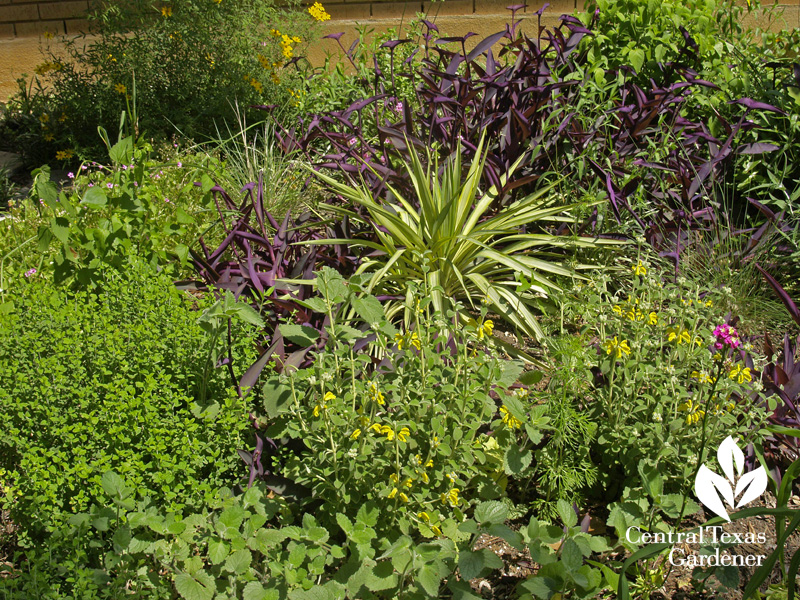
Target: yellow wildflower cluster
639,269
740,374
120,89
47,67
318,12
681,335
510,420
323,405
485,329
286,42
451,497
703,377
257,85
413,340
166,11
375,394
64,154
695,415
615,346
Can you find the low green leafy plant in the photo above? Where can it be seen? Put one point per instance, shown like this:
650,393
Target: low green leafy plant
118,210
246,546
409,435
94,381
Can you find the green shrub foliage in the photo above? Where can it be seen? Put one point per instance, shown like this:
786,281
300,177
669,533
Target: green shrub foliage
103,380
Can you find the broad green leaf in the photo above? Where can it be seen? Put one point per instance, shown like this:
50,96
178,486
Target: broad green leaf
478,564
191,589
302,335
566,513
571,555
94,197
516,460
369,309
490,512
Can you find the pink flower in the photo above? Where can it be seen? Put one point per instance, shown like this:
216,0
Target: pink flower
30,273
91,185
71,175
726,336
351,141
109,185
84,167
180,164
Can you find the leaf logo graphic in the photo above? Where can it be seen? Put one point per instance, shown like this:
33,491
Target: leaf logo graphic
711,489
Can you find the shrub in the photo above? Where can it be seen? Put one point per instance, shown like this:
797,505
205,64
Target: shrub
180,63
92,381
407,431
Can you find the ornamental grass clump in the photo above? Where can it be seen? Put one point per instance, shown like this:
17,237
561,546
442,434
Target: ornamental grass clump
448,237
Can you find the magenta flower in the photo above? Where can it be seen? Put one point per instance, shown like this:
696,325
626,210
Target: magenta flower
726,336
71,175
180,164
30,273
109,185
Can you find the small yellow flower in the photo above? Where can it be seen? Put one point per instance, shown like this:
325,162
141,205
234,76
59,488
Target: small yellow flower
652,318
393,493
425,477
709,303
394,478
510,420
403,497
64,154
355,434
435,529
617,347
329,396
257,85
49,137
617,310
44,117
695,413
702,377
634,314
166,11
120,89
679,335
740,374
639,269
387,431
485,329
451,497
275,32
403,434
375,427
717,357
318,12
375,394
423,516
48,35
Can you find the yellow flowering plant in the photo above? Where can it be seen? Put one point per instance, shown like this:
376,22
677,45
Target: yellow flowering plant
398,419
671,375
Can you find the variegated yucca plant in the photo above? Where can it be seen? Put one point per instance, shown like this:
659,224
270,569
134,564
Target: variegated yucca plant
453,241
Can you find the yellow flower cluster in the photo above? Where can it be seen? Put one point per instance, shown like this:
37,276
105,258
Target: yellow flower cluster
615,346
510,420
639,269
286,42
695,415
485,329
451,497
703,377
64,154
318,12
740,374
47,67
413,340
166,11
323,405
375,394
